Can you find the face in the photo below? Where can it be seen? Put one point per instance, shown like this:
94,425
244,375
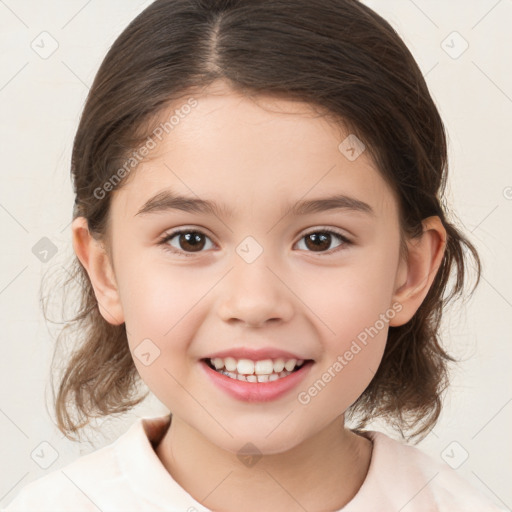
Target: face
261,276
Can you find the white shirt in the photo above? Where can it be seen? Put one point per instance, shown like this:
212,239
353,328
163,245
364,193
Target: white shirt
127,475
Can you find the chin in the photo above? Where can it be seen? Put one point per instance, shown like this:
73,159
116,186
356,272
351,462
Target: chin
263,441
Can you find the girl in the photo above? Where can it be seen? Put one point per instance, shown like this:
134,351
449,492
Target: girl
261,238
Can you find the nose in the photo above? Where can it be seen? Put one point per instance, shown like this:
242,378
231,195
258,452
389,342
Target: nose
255,294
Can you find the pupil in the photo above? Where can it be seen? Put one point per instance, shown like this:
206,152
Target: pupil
320,241
192,240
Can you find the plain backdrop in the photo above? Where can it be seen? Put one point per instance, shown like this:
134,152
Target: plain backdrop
465,52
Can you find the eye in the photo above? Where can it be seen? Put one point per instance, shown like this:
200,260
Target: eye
320,240
188,240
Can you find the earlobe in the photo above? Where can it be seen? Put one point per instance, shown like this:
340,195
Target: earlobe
416,275
95,260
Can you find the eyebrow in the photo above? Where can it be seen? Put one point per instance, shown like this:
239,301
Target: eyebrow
169,200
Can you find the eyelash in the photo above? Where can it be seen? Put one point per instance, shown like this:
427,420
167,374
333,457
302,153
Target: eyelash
169,236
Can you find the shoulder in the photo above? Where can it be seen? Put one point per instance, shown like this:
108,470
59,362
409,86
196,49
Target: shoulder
408,479
80,486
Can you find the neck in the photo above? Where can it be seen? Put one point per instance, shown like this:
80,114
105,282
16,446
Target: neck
323,473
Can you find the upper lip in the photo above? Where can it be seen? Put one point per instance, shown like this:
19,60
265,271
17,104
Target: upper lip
255,354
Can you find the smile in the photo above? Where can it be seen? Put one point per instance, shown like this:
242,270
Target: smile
264,370
259,380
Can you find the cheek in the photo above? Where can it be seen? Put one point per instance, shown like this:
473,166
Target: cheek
353,303
353,346
160,306
337,385
351,297
157,298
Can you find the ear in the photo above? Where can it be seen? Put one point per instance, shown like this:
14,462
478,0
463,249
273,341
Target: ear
95,260
415,276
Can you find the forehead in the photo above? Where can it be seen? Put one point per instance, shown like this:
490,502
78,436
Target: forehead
251,154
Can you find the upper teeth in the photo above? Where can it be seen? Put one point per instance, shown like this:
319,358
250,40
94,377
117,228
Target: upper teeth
248,366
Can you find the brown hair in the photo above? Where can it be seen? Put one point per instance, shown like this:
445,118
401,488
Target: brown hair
337,55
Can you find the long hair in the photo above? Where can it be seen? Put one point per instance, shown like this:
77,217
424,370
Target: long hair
338,55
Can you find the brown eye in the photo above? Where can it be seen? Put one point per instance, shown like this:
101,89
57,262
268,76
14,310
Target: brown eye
186,241
192,241
320,241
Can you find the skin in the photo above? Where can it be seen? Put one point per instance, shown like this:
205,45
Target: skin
257,156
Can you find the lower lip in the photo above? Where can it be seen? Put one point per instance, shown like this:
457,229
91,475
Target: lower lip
257,391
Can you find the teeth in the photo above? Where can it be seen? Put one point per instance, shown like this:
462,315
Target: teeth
230,364
218,363
255,378
247,370
279,365
245,366
264,367
290,365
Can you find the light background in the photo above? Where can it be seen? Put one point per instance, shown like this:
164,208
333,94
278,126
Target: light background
41,101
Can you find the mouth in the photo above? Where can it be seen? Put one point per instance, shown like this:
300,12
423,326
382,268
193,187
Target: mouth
260,371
